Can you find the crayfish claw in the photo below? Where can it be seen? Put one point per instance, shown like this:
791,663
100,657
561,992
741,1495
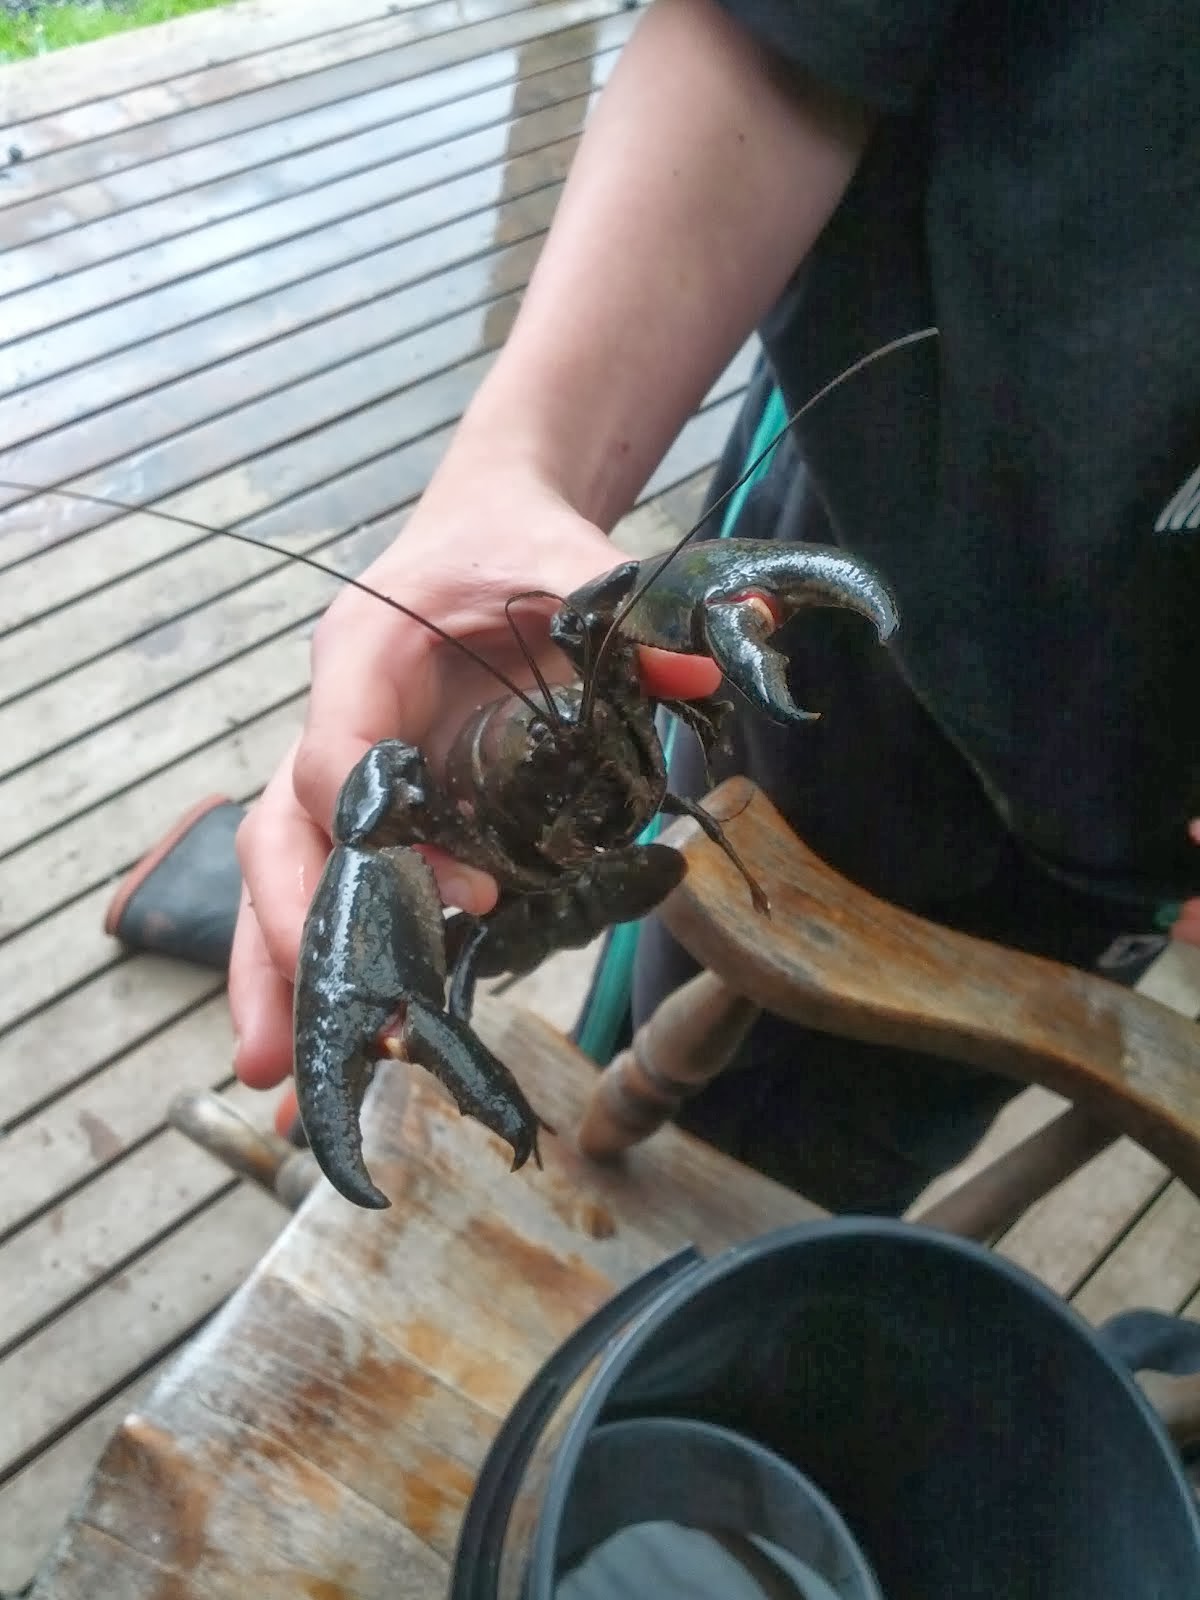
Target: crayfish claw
481,1085
737,634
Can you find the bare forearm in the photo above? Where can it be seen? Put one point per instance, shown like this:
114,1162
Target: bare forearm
699,186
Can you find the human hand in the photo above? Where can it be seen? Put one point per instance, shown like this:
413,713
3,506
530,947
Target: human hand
478,537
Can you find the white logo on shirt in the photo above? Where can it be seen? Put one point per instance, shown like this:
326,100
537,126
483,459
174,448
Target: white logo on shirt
1182,510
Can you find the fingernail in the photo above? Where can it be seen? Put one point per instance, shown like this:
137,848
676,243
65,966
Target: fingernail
457,891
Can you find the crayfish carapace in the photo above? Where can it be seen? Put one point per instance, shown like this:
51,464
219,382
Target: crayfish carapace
549,797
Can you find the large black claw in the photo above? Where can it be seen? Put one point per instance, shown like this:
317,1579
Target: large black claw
372,940
726,597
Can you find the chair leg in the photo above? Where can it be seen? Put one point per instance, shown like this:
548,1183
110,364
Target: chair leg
988,1203
264,1158
690,1039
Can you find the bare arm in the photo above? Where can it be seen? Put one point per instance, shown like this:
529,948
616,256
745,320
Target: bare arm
699,186
697,190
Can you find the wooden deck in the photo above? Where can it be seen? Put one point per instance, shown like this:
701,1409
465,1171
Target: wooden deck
253,265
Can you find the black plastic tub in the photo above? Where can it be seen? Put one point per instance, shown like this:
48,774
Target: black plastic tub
969,1432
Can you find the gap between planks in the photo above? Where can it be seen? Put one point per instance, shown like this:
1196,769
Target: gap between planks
201,181
116,259
203,78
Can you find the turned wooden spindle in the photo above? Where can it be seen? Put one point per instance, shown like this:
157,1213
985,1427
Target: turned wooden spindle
691,1038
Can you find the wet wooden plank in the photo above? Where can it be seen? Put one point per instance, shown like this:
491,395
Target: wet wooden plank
425,46
94,1231
105,1338
35,1503
152,101
221,177
86,1029
117,288
1064,1236
164,366
49,84
87,1129
1156,1265
294,391
378,221
372,1373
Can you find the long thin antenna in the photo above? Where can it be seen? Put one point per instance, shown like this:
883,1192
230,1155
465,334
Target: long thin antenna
287,555
623,611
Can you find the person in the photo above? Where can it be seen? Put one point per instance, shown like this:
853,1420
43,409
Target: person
1023,763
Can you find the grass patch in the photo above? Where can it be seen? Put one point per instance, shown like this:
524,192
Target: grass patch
33,33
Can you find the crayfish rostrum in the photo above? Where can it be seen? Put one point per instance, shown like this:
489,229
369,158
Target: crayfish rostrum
549,796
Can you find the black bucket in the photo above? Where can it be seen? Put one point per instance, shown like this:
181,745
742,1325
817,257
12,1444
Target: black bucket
969,1435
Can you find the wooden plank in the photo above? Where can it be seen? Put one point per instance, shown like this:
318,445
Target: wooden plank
361,1339
1174,979
167,364
310,378
104,1339
35,1503
1019,1119
90,1026
292,208
95,221
1155,1266
102,1226
1063,1236
87,1129
127,735
153,100
285,81
51,83
94,849
277,266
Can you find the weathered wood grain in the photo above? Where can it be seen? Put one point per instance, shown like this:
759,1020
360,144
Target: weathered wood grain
373,1356
237,66
366,217
34,1502
94,1230
147,56
254,324
836,958
1155,1265
118,1328
134,204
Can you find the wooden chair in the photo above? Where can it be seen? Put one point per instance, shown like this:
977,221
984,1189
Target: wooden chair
835,958
321,1435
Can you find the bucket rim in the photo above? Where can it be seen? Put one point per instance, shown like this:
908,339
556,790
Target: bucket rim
712,1270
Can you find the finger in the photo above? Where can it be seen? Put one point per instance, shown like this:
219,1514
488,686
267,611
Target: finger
667,676
1186,927
1194,830
282,854
260,1000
